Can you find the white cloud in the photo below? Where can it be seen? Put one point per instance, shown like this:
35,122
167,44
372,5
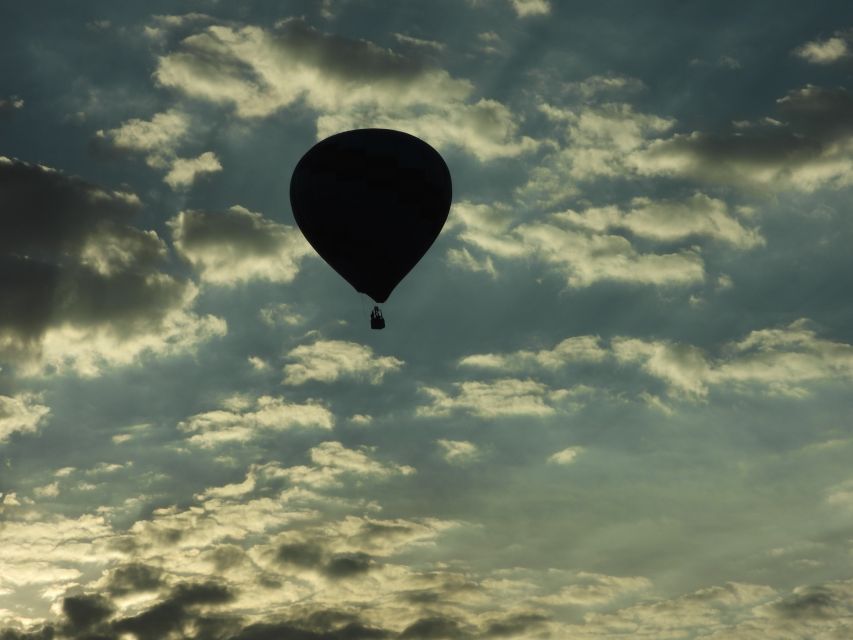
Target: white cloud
462,259
594,589
582,256
21,413
507,397
184,171
574,349
332,460
458,452
419,42
527,8
349,83
585,258
823,51
157,138
330,360
780,361
87,351
242,423
238,245
565,456
610,83
670,220
281,314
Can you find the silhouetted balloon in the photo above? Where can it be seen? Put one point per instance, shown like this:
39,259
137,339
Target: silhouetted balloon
371,202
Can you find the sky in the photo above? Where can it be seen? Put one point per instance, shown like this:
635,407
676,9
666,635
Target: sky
612,401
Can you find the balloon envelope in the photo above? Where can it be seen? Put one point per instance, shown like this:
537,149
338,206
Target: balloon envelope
371,202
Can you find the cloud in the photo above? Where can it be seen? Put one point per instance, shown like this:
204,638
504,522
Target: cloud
158,139
265,413
585,258
594,589
21,413
606,84
670,220
781,361
331,360
418,42
459,452
574,349
565,456
809,147
82,288
823,51
238,246
184,171
507,397
280,315
581,256
348,83
332,460
10,105
528,8
599,141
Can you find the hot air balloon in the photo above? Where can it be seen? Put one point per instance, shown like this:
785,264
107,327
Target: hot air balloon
371,202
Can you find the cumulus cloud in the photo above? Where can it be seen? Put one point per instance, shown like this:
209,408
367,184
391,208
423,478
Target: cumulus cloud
599,140
458,452
565,456
332,461
238,245
823,51
281,314
247,420
809,147
82,288
419,42
579,254
592,589
586,258
158,139
348,83
574,349
9,105
670,220
184,171
21,413
528,8
506,397
331,360
603,85
781,361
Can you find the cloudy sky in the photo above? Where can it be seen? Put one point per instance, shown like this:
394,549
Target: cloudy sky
614,399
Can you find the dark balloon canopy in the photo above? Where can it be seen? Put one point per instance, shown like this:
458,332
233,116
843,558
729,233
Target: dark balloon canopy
371,202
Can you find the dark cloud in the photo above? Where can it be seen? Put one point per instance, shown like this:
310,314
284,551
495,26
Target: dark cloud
84,612
435,628
169,615
306,554
802,147
278,631
810,603
45,633
132,578
515,625
350,60
70,257
238,245
348,565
